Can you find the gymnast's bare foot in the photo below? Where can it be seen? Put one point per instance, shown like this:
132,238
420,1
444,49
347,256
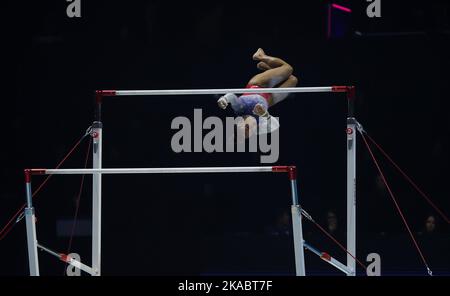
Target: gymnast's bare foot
259,54
263,66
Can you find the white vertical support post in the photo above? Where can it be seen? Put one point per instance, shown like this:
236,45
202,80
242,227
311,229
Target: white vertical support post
297,225
96,197
351,194
30,220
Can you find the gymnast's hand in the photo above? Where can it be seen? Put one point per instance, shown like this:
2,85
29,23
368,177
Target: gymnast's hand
260,110
229,98
222,102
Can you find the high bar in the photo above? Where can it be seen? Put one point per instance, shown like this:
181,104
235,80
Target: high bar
167,92
185,170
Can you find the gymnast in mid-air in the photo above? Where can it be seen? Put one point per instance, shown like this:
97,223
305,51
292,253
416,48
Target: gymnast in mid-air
254,108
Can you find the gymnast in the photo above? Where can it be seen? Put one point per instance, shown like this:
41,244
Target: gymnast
251,106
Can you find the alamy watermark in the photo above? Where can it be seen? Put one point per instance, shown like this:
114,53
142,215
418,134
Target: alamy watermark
74,8
374,267
72,270
374,8
223,137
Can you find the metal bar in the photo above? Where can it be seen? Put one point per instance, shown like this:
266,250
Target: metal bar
312,249
327,258
68,260
30,221
158,170
341,266
58,255
164,92
351,194
82,266
96,197
31,242
297,231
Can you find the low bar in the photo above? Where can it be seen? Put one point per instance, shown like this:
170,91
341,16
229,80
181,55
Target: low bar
177,92
184,170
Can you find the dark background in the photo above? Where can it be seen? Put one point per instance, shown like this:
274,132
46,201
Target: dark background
224,224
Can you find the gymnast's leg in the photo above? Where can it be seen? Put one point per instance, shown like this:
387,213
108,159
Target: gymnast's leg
277,70
269,64
278,97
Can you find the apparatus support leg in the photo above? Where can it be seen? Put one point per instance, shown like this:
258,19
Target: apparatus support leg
30,220
351,194
297,227
96,197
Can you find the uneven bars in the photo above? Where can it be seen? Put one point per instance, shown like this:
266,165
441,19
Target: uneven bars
273,169
112,93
